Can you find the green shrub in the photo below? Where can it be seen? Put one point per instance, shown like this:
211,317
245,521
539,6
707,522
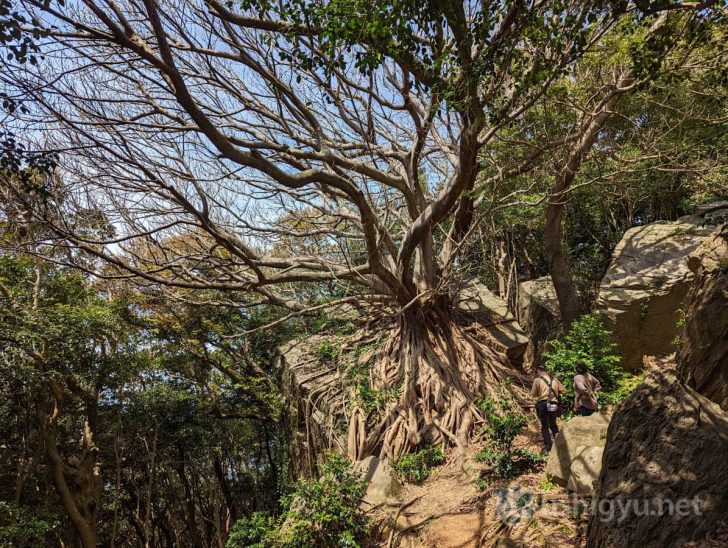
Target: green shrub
252,531
369,399
323,512
587,340
416,467
26,526
625,386
327,351
503,461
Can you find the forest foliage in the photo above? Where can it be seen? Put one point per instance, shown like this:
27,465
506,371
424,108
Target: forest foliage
186,186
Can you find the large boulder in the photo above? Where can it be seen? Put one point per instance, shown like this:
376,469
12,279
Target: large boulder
382,485
506,335
574,435
315,420
585,469
538,313
703,356
664,477
714,213
644,289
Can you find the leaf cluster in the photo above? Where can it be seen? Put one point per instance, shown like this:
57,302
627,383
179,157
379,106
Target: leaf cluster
319,512
505,422
588,341
416,467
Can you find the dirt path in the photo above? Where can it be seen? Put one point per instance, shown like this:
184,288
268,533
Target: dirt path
449,510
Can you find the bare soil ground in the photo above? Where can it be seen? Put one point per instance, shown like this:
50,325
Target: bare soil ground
449,510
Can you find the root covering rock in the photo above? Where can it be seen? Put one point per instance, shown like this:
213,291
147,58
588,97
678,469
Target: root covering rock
665,453
312,414
703,355
574,435
646,284
393,386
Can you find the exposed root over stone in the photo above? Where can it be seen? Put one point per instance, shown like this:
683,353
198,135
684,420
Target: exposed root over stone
427,373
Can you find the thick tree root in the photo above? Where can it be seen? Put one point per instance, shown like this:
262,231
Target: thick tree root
433,374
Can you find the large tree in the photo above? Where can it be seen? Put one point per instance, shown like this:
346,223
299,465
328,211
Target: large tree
243,129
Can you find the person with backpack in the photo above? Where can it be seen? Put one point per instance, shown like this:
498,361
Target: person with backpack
586,387
547,391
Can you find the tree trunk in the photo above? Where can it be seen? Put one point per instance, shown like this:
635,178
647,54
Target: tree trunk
26,467
502,267
225,488
553,234
269,456
558,265
117,473
79,496
189,502
150,487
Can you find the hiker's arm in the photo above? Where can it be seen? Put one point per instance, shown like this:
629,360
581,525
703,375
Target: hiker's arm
560,388
534,391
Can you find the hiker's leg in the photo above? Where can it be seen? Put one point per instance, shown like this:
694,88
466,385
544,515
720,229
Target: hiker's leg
545,433
543,416
552,423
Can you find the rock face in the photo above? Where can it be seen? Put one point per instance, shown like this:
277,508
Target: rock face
316,429
574,436
585,469
538,313
646,284
715,213
666,448
703,356
382,483
507,336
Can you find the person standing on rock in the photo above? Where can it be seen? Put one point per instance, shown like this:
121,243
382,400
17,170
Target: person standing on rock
547,391
586,387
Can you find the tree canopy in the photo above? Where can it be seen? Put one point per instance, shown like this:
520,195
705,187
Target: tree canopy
215,121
